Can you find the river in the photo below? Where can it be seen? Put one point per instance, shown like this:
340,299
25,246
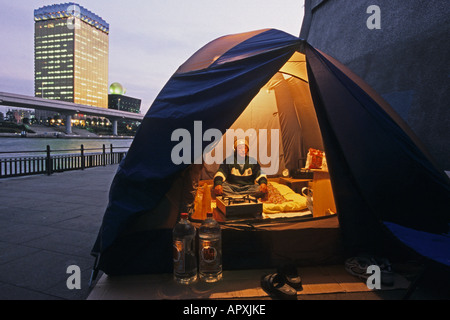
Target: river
37,144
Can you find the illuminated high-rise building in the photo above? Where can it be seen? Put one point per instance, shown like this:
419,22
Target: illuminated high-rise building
71,55
119,101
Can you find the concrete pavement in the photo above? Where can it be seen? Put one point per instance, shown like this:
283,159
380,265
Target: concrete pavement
48,223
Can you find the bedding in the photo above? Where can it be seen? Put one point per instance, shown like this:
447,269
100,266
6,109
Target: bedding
282,199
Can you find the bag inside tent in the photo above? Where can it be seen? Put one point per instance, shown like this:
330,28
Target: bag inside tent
330,145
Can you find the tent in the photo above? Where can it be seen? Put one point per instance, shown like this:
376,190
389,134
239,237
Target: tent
384,182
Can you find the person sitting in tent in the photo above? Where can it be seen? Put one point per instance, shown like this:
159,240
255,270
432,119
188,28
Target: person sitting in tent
240,175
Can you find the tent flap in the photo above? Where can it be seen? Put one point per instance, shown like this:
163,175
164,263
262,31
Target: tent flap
377,171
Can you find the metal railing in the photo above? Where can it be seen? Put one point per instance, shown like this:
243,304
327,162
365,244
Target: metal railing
54,161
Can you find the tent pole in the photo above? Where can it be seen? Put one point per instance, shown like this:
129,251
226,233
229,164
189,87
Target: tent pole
94,272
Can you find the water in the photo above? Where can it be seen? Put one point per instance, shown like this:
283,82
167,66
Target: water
40,144
210,250
184,259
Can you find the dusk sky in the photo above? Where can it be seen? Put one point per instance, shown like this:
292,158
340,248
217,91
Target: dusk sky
148,39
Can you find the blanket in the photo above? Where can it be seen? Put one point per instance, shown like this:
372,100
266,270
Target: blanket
281,198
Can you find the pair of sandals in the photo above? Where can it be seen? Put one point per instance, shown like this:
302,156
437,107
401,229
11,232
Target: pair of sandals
283,284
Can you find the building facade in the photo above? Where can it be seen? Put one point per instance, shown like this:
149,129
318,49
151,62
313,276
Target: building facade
71,55
399,48
124,103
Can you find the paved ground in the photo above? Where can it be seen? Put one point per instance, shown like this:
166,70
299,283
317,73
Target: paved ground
48,223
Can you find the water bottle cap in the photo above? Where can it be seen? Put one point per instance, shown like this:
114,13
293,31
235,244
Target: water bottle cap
184,215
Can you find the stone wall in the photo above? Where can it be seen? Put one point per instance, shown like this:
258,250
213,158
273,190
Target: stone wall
406,60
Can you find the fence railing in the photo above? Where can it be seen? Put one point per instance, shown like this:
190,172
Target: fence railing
51,161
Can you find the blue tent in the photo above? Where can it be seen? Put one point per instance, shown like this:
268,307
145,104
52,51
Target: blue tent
382,178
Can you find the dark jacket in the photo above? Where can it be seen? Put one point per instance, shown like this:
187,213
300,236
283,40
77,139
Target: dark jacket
231,172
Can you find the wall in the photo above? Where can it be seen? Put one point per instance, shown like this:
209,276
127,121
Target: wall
406,60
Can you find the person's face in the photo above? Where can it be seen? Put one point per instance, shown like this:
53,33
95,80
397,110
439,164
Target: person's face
242,150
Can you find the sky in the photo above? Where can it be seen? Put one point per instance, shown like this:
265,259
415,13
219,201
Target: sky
148,39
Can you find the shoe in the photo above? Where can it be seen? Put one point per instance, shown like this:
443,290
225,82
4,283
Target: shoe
357,266
290,274
276,287
387,275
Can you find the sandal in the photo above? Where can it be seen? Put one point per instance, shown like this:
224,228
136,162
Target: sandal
276,287
289,272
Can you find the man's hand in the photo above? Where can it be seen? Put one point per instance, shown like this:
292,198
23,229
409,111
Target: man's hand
218,190
263,188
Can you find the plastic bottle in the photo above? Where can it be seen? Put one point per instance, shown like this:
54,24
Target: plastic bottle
184,258
210,250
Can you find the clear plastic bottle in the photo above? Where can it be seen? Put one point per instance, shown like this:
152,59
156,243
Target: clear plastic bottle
184,258
210,250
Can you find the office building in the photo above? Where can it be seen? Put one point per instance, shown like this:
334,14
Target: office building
118,101
71,55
